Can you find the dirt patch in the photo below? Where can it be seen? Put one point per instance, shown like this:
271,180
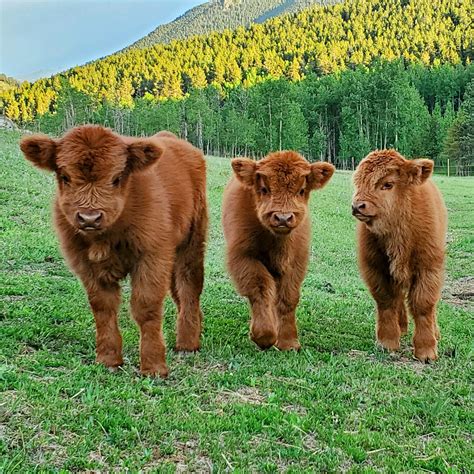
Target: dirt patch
296,409
13,298
186,458
246,395
460,292
397,359
412,363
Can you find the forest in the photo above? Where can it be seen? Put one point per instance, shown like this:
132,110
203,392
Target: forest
217,15
339,118
331,81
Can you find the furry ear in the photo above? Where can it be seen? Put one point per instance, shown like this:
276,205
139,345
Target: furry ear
245,170
320,174
419,170
142,153
40,150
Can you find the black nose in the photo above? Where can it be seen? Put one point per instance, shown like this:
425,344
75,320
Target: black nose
283,219
358,207
91,219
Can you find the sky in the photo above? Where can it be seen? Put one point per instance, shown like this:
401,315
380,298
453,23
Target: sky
42,37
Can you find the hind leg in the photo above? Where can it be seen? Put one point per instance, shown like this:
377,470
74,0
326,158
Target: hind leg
188,280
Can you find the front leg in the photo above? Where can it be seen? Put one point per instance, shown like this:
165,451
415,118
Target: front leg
391,312
288,296
388,295
150,284
254,281
104,299
423,298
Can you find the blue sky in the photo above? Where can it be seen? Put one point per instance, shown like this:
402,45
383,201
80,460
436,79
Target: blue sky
41,37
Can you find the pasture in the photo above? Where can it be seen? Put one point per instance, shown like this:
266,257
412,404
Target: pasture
341,404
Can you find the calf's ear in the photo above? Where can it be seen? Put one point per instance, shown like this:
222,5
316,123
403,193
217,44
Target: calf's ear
40,150
320,174
142,153
419,170
245,170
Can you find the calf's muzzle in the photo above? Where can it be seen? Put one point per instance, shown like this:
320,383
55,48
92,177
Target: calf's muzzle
89,219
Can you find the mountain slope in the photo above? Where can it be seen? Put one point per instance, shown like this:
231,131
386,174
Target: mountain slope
315,41
217,15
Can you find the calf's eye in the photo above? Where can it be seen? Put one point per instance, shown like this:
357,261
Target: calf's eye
64,178
264,190
302,190
387,186
117,181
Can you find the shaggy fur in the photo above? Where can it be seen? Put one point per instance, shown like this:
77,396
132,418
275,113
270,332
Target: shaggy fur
401,240
267,229
128,206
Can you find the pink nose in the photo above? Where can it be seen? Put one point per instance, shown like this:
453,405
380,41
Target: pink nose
89,219
282,219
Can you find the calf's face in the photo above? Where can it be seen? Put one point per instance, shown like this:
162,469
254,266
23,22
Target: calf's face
92,166
382,181
281,184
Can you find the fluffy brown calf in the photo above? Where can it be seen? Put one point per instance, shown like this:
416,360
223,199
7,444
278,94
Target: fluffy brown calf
401,239
267,229
131,206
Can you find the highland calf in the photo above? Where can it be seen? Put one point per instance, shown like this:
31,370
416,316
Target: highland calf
267,229
401,240
131,206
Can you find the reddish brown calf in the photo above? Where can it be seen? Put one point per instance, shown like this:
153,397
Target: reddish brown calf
131,206
267,229
401,239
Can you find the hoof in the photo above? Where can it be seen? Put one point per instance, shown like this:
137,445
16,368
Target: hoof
288,345
264,339
159,371
426,354
112,360
389,344
187,347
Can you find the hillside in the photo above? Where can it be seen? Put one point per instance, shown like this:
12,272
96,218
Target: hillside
318,40
217,15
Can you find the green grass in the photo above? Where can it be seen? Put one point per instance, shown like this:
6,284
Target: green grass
341,404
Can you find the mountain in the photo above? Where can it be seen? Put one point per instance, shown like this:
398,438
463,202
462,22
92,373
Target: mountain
217,15
316,41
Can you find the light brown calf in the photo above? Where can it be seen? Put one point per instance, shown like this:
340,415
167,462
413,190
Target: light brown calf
401,240
131,206
267,229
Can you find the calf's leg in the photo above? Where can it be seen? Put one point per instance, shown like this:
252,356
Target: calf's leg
104,301
188,280
391,312
150,283
254,281
423,297
288,295
389,297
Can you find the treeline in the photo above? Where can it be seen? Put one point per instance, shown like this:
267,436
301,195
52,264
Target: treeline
421,111
7,82
316,41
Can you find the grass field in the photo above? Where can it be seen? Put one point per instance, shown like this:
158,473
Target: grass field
341,404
